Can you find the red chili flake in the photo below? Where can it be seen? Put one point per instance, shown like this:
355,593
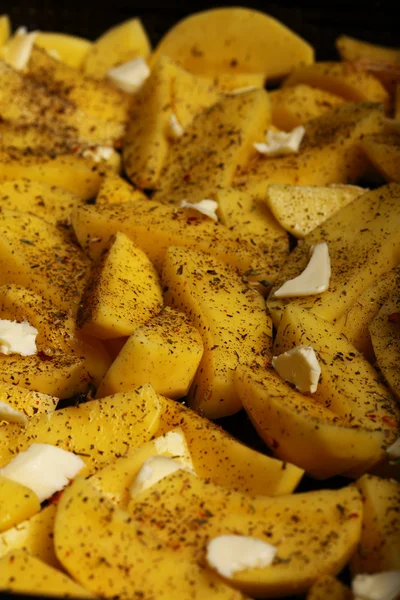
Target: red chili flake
191,219
353,516
186,177
371,417
394,318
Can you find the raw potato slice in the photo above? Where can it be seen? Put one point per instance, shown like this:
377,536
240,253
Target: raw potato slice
70,49
300,209
294,106
101,430
385,337
216,143
384,153
329,588
51,203
322,543
28,402
154,227
236,82
363,241
329,152
114,190
100,545
95,98
123,292
115,479
340,79
253,221
5,29
300,430
355,321
352,49
225,461
60,269
235,40
35,535
231,319
379,547
17,503
22,573
166,351
349,385
117,45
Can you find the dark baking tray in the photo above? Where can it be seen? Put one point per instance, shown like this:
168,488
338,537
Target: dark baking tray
319,22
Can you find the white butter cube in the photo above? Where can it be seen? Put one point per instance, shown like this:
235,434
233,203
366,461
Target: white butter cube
229,554
130,76
299,366
314,279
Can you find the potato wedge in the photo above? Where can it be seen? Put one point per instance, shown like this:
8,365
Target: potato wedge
384,153
300,209
329,153
153,227
231,319
123,292
26,401
303,431
349,385
363,244
22,573
5,29
35,535
379,547
117,45
340,79
102,430
251,42
166,351
236,82
217,142
352,49
93,536
385,337
206,511
329,588
354,323
70,49
115,190
294,106
18,503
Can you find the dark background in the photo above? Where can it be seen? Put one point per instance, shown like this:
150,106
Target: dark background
318,22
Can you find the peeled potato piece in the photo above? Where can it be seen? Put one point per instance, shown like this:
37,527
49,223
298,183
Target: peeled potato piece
18,503
329,588
385,337
384,153
5,29
70,49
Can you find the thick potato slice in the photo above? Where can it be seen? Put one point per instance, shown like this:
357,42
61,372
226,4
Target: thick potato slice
300,209
115,479
70,49
26,401
294,106
24,101
5,29
340,79
301,430
95,98
35,535
111,555
32,139
349,385
225,461
154,227
51,203
231,319
355,321
123,292
385,336
363,241
117,45
352,49
216,143
329,152
17,502
329,588
235,40
253,221
37,255
166,351
379,547
101,431
322,543
236,82
384,153
22,573
115,190
80,176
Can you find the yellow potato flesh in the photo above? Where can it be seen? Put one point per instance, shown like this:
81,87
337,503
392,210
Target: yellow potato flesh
17,503
384,331
5,29
70,49
329,588
384,153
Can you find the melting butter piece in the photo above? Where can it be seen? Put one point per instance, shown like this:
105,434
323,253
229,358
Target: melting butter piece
229,554
17,338
18,49
380,586
176,129
281,143
130,76
205,207
153,470
299,366
9,414
315,277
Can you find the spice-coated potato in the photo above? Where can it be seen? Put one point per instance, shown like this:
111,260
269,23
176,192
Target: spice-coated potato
329,588
27,402
18,503
70,49
384,331
383,151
